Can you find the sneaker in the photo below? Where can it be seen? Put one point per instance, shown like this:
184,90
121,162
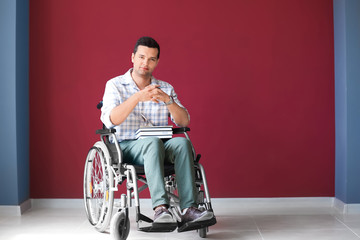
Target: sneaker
195,215
162,215
194,219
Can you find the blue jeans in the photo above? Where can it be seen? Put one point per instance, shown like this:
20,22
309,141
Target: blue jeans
152,153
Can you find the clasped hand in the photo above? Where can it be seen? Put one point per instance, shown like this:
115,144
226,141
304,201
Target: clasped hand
153,93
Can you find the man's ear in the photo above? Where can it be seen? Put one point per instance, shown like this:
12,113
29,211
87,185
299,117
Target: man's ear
132,57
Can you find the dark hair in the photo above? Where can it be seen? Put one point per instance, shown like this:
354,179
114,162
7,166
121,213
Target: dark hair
147,42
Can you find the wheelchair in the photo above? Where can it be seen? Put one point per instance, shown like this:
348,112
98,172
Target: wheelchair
105,171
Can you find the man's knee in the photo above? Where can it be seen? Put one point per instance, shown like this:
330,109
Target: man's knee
179,150
152,142
182,144
153,145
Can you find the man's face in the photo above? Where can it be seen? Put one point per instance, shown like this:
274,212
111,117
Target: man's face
144,61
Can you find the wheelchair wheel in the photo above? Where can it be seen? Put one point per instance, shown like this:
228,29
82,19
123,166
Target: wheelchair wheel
98,182
120,226
202,207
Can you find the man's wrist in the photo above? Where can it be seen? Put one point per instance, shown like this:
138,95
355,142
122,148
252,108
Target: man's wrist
171,101
137,96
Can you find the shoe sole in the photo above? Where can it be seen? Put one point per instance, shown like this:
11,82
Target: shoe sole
194,225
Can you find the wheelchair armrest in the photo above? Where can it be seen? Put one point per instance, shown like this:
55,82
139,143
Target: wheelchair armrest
105,131
112,130
180,130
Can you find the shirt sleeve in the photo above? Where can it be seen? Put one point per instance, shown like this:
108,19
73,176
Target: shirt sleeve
111,99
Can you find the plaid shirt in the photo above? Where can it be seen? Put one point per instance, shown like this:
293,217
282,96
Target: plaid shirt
119,89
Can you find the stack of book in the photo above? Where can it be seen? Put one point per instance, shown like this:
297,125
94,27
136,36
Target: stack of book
154,131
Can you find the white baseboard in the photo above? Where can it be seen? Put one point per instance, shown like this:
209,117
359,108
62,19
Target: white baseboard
17,210
344,208
57,203
246,205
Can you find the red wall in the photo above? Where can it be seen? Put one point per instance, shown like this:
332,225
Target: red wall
256,76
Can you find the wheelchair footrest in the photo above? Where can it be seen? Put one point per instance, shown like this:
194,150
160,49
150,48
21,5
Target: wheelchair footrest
189,226
156,227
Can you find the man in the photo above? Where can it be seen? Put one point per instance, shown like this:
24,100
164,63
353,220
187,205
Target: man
137,98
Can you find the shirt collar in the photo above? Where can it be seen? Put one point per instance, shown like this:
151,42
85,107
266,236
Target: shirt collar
127,79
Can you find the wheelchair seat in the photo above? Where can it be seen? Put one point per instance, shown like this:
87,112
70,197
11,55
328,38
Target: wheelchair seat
168,168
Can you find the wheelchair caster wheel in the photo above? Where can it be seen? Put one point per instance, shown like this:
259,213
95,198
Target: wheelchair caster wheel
120,226
203,232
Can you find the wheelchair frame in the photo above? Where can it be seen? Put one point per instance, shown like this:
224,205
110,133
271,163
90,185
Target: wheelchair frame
105,170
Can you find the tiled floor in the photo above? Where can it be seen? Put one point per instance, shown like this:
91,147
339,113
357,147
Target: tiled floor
237,219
